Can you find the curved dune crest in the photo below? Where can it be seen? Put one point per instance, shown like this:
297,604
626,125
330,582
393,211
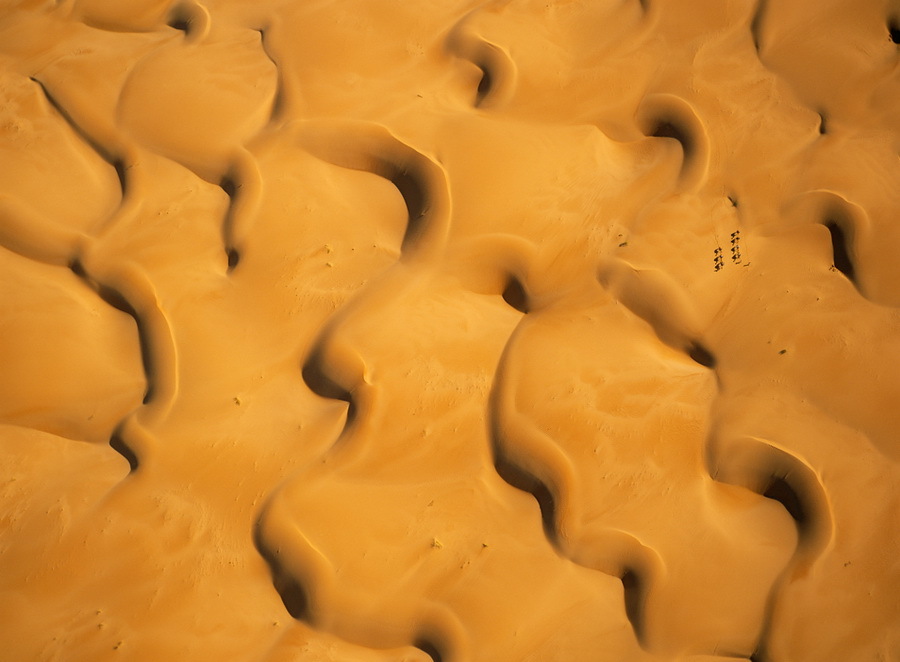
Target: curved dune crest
497,83
71,363
449,331
668,116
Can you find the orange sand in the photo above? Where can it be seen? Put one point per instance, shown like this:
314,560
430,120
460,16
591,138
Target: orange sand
450,331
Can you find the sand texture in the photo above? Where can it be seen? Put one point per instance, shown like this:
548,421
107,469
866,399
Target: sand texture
450,330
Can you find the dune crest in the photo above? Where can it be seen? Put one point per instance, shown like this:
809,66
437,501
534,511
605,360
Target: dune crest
460,331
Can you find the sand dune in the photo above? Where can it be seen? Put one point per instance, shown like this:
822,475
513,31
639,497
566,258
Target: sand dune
450,331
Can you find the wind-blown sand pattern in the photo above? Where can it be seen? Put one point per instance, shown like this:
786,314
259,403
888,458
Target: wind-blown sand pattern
452,331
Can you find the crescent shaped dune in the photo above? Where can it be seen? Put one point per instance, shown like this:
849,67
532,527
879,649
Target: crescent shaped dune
450,331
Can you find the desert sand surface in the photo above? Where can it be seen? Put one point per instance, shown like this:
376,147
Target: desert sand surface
450,330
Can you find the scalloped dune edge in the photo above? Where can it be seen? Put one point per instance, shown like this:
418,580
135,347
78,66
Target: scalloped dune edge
450,331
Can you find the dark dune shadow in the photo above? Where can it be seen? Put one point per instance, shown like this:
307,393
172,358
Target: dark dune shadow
114,160
231,187
498,71
663,115
514,294
279,101
430,648
420,181
848,226
700,354
180,23
118,444
117,300
233,257
122,174
781,491
756,24
423,187
672,128
840,249
775,474
415,195
484,86
613,553
782,477
522,480
635,589
88,139
292,593
189,18
316,377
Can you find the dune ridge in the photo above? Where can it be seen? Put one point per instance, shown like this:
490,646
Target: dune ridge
449,331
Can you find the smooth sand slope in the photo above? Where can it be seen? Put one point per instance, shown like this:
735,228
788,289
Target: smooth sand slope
450,331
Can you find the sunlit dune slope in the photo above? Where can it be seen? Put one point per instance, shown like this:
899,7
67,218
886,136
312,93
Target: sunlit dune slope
450,331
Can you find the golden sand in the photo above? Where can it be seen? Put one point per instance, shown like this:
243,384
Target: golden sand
450,330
